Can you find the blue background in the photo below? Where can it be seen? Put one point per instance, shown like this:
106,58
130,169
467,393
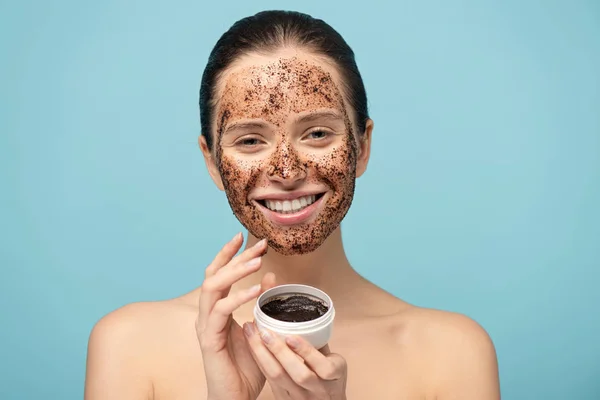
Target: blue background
482,195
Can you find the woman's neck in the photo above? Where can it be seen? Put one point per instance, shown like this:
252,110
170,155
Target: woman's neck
327,267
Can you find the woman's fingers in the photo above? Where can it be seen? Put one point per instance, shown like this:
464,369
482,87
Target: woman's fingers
224,255
232,273
287,365
259,249
268,281
326,365
269,364
223,308
218,283
217,321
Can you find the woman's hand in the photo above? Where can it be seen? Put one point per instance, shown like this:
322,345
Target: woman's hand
231,372
295,369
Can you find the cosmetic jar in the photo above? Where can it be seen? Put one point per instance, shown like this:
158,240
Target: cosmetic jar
316,331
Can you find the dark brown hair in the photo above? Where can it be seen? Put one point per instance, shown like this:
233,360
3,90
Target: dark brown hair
269,30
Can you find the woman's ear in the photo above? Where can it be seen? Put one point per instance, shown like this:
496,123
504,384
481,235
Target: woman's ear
364,148
211,165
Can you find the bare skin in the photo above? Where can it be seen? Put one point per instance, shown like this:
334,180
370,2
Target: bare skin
382,347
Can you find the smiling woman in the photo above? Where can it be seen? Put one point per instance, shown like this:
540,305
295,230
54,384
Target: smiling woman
286,133
286,98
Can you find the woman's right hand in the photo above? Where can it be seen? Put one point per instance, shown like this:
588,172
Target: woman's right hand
231,372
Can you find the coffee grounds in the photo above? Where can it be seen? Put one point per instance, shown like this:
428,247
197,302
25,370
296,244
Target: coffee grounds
272,92
296,308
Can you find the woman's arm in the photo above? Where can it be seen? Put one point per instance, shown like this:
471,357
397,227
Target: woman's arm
115,363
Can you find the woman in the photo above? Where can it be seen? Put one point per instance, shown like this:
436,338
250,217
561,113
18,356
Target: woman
285,133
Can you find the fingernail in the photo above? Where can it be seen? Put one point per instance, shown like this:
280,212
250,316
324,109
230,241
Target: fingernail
266,336
248,329
260,243
252,263
237,235
292,342
254,289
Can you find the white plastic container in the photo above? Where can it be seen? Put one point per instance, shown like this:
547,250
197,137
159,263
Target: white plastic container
317,331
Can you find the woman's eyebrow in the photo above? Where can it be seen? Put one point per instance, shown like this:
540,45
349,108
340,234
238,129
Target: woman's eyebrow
318,115
244,125
313,116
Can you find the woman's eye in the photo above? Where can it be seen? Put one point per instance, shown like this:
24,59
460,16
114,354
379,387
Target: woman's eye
248,142
318,134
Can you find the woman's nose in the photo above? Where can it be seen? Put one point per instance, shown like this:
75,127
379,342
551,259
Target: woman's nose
285,165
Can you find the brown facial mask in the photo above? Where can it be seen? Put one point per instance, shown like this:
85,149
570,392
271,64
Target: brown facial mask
284,160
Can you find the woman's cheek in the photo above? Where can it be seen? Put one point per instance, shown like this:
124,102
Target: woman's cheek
235,177
338,164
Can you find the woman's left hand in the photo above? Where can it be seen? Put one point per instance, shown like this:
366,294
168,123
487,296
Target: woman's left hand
296,370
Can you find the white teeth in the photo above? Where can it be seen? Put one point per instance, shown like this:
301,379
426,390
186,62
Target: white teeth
295,204
287,206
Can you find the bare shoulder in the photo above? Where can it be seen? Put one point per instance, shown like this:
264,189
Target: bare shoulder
441,328
124,347
134,323
460,355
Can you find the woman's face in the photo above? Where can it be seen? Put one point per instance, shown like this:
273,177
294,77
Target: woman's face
285,149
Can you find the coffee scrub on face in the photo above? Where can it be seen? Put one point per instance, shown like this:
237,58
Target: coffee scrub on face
275,92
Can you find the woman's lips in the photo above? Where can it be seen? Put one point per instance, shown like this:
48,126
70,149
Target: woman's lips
292,218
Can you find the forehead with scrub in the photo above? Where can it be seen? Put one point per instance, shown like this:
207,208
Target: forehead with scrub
273,89
277,91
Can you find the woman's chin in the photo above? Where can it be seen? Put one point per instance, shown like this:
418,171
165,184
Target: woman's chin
292,233
293,247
